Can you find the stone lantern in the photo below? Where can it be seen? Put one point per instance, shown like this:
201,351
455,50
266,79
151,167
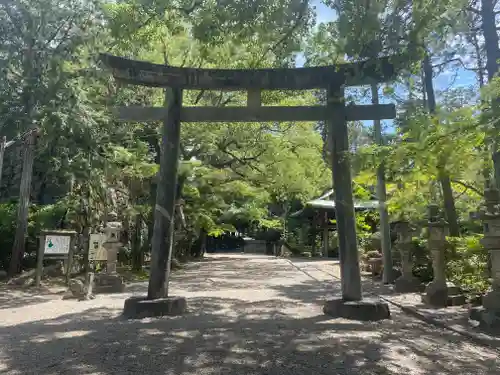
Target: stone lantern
111,282
406,283
112,244
489,314
439,292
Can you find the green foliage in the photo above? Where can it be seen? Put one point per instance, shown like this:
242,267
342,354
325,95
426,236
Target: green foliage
237,177
8,213
422,267
40,217
467,264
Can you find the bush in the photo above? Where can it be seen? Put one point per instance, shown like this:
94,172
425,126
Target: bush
372,254
8,212
40,217
422,262
374,242
467,264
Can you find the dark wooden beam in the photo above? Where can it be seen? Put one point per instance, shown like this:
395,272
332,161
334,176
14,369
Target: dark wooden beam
157,75
251,114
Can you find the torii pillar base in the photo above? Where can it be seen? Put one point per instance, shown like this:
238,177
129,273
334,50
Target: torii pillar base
364,310
141,307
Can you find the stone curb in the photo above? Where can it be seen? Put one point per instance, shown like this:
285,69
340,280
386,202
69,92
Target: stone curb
476,338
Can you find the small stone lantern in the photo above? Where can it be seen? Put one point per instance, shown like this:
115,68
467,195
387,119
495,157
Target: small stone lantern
439,292
111,282
112,244
406,283
489,314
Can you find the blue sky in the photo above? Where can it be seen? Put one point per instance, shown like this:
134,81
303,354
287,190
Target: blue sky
442,82
323,12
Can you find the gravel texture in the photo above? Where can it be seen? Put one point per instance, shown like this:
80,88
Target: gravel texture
455,318
247,315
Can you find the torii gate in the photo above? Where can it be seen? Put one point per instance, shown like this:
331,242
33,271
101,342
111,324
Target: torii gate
331,78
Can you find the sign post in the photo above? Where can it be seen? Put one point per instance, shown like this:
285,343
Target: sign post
55,244
97,252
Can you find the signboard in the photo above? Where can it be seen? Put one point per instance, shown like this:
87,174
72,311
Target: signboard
57,244
96,251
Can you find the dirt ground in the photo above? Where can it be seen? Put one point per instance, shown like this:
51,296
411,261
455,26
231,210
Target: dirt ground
247,315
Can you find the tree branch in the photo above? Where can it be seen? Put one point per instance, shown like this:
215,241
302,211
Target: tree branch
58,29
467,186
65,35
473,10
456,59
199,96
287,35
15,22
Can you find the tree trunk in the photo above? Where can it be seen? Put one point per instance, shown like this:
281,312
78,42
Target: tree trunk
137,254
312,238
443,175
490,37
152,194
480,64
200,245
385,228
18,247
449,204
492,56
203,243
3,142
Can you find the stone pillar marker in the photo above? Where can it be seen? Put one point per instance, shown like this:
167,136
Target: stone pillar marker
439,293
406,283
488,315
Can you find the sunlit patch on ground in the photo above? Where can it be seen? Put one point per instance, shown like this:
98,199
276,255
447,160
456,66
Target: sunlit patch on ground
256,316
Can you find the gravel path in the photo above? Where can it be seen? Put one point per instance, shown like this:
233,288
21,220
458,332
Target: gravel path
248,315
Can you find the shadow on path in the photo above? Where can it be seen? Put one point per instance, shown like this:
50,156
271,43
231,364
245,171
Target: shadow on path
226,336
285,333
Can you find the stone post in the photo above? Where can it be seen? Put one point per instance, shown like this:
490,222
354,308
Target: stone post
439,292
406,283
489,314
